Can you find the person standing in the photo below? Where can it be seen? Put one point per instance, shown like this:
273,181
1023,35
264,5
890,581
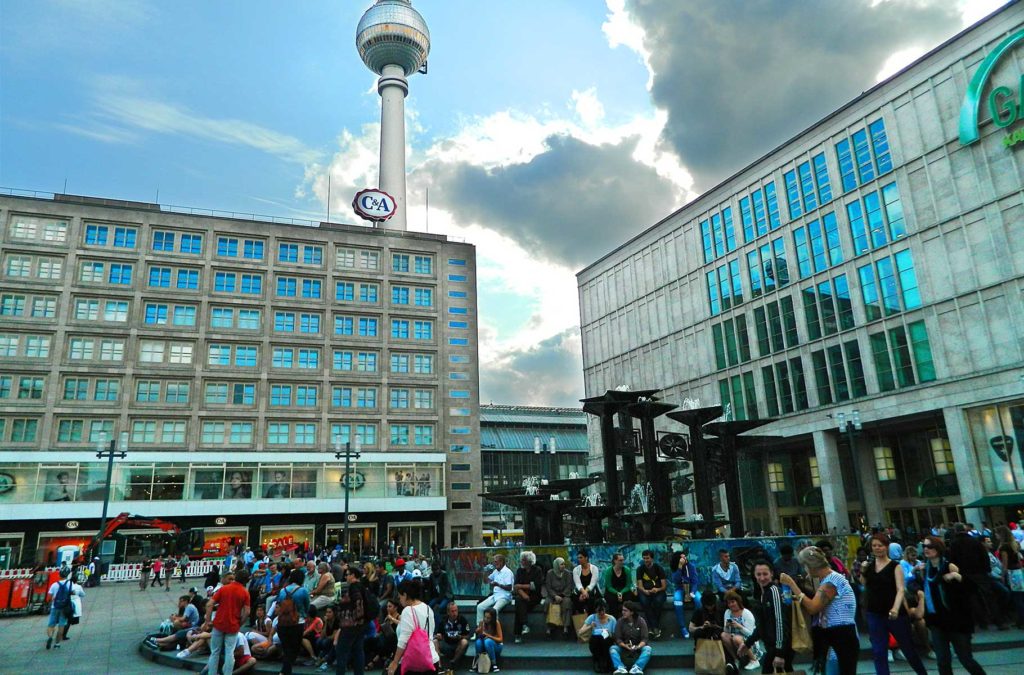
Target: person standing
292,607
417,614
169,568
158,568
351,620
183,563
948,622
684,582
836,607
1013,570
77,594
617,585
147,566
772,622
232,604
501,581
527,586
61,609
886,613
651,583
95,572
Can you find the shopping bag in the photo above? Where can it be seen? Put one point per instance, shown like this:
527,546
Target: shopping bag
555,615
483,663
801,632
709,658
583,631
1016,578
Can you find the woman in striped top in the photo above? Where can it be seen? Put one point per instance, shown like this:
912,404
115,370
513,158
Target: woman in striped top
835,606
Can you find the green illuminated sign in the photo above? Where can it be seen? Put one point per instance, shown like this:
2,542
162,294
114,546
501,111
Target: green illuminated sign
1005,105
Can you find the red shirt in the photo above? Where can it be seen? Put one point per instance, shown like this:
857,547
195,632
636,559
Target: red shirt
229,601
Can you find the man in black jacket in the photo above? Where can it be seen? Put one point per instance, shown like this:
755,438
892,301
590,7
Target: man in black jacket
529,583
969,554
772,622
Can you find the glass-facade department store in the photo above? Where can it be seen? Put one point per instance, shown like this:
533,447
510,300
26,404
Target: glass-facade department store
862,283
232,358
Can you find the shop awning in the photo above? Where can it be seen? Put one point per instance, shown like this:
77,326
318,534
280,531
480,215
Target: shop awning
1006,499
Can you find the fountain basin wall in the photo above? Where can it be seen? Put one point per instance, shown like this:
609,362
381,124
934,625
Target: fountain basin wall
465,566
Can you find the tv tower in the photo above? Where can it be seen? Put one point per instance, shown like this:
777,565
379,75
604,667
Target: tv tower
393,41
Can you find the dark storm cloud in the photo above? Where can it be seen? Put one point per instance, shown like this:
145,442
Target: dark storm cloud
548,373
739,77
571,203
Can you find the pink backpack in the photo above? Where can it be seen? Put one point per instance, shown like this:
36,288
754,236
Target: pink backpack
417,656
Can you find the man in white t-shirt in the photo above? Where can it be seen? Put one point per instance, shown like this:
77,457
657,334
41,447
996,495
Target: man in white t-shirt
501,580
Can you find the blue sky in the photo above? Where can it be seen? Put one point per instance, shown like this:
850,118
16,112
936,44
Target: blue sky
529,108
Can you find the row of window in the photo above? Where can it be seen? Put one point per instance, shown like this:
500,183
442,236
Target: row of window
214,433
875,220
808,187
828,309
901,357
174,353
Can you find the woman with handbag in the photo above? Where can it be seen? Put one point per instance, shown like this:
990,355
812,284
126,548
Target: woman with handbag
944,602
558,590
416,651
836,607
489,640
884,584
1013,571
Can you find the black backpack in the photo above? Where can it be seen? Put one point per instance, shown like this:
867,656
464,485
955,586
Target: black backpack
371,604
63,597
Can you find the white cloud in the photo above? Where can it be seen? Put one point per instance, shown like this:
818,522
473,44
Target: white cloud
588,107
621,29
121,111
898,61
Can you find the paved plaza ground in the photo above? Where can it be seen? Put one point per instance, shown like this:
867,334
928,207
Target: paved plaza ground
118,615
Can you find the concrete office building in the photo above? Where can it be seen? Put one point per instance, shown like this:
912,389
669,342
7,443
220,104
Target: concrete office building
235,357
861,283
519,441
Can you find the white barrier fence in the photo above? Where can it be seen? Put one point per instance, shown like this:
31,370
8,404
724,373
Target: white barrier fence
125,571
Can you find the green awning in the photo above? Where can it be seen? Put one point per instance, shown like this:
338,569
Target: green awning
1006,499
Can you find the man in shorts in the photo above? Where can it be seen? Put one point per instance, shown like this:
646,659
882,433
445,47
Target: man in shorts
59,595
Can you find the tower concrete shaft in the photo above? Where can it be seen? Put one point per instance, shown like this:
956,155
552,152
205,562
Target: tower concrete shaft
393,88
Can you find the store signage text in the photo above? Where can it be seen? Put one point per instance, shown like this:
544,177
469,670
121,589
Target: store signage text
374,205
1005,105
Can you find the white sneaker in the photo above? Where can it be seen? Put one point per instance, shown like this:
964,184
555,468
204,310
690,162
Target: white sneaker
183,654
620,671
636,671
753,665
890,658
526,629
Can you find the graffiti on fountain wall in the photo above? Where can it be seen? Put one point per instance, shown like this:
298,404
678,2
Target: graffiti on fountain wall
465,566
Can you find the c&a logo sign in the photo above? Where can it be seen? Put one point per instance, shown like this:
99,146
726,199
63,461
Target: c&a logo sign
1005,104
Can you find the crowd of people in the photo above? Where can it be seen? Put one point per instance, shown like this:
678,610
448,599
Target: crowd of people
322,610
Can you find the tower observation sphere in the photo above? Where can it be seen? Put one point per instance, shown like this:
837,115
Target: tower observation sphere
391,32
393,41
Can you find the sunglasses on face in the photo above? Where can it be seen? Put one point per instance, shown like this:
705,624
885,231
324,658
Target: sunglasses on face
927,546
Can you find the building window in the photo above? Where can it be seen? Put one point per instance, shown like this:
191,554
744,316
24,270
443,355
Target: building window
399,295
942,457
839,373
306,396
249,319
827,307
885,464
70,431
252,249
785,387
283,357
368,293
184,315
344,291
775,326
191,243
399,262
399,363
812,466
227,247
731,342
287,253
252,284
739,395
399,398
423,364
776,477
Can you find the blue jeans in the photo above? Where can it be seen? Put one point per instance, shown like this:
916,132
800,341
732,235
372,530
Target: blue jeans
879,627
641,660
492,648
653,604
350,645
221,642
677,603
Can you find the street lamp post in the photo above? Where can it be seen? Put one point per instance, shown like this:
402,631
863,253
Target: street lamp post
108,453
850,427
346,480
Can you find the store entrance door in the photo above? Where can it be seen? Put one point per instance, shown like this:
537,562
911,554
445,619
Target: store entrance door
362,538
411,538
